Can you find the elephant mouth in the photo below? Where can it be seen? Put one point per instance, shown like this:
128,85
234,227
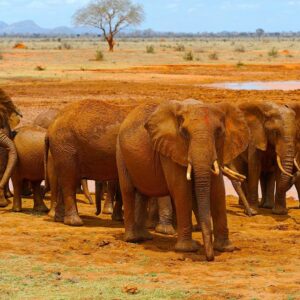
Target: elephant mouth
215,169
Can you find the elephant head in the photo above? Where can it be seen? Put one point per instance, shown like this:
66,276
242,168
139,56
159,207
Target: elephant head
296,108
9,117
199,137
273,125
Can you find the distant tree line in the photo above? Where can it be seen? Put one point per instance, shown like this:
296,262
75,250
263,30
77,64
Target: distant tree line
149,33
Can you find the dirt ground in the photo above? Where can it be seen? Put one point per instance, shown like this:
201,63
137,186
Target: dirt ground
40,259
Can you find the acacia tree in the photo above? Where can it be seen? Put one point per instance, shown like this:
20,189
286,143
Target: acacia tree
110,16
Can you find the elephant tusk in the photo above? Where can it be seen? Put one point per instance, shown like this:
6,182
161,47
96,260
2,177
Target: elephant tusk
296,164
281,167
234,173
230,176
189,172
216,170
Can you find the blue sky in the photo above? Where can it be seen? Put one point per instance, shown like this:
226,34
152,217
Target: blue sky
171,15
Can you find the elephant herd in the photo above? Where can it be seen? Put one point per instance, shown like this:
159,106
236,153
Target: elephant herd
175,149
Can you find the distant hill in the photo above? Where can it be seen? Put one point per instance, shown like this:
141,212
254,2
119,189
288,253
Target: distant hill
2,25
29,28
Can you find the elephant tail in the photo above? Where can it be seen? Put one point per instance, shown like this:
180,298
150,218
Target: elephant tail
46,153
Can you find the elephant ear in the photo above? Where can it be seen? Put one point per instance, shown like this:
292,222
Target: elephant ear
296,108
3,117
254,116
236,132
163,128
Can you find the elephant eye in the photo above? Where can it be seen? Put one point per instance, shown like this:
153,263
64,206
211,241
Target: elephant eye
184,131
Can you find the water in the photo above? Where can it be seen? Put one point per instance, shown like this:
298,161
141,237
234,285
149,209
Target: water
258,85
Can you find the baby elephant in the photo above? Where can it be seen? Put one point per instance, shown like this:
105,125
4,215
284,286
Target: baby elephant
29,142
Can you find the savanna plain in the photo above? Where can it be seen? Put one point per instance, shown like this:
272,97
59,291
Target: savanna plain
40,259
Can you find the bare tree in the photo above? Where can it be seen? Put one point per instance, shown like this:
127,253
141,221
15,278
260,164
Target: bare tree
110,16
260,32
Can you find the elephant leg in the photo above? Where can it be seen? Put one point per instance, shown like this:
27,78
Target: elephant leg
263,186
60,206
152,218
98,196
17,184
117,214
254,171
239,190
26,188
128,195
39,204
3,201
8,193
297,186
86,191
68,182
165,212
53,184
218,211
141,204
181,192
269,191
109,200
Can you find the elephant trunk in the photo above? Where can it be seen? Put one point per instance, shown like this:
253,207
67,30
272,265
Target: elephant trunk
202,175
9,145
284,182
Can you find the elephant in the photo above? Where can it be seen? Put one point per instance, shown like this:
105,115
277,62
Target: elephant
44,119
270,155
90,147
180,149
82,141
9,118
296,108
29,142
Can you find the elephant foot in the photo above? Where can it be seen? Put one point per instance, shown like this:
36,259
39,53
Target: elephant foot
107,209
51,213
197,228
266,205
16,208
165,229
251,212
8,194
279,211
150,224
117,216
91,202
187,246
135,236
223,245
3,202
73,220
42,208
58,218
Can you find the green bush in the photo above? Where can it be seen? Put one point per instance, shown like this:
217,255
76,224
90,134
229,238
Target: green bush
40,68
179,48
1,56
273,52
240,49
188,56
240,64
99,55
213,56
66,46
150,49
